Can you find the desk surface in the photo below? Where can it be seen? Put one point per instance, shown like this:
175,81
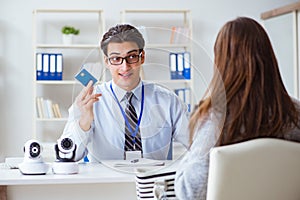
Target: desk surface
88,173
94,180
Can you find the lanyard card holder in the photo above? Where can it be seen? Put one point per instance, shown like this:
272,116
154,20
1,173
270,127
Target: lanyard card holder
131,155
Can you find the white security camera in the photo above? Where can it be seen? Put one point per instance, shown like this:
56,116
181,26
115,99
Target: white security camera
33,162
65,150
32,150
65,145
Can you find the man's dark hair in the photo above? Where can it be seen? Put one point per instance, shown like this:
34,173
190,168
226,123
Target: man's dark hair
122,33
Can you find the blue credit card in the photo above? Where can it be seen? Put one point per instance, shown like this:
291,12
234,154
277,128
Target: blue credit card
84,77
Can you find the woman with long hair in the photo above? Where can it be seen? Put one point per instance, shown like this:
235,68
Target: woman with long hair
246,99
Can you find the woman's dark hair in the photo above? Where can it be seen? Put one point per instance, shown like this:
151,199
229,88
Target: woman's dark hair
257,102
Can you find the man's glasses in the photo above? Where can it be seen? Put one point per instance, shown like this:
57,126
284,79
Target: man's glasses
130,59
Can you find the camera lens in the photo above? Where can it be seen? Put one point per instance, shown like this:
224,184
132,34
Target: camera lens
35,149
66,143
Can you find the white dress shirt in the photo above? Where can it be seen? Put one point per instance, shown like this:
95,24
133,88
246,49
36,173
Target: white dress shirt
165,117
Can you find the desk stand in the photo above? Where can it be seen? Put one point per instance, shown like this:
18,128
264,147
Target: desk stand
3,192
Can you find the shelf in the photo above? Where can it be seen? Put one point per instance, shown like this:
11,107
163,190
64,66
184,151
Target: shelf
149,46
52,119
188,81
280,11
47,39
73,46
56,82
165,31
156,11
75,82
65,11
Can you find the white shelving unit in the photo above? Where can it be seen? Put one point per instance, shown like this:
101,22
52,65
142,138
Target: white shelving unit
157,29
47,38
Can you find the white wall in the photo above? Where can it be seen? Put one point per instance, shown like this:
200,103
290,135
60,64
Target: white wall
16,48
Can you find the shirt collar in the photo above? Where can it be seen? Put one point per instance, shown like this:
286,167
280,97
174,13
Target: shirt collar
120,93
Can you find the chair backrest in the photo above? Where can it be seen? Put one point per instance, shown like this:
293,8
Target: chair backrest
260,169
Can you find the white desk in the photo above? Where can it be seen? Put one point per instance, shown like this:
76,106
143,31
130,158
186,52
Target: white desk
94,181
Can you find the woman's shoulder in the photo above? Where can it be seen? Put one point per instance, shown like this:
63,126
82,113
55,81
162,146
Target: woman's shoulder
294,133
296,102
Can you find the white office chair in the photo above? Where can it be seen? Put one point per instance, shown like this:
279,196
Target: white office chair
260,169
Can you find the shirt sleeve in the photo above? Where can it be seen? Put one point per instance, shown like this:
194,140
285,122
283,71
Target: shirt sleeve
191,179
180,122
73,130
192,173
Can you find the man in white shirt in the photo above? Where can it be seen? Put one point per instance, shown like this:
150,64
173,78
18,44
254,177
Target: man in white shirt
98,118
